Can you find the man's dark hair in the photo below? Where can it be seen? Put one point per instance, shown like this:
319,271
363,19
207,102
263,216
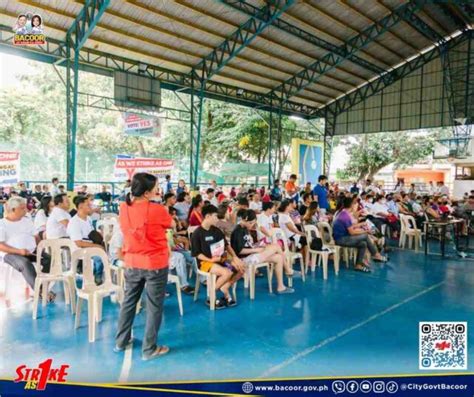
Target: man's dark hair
267,205
54,180
168,177
243,201
247,215
322,178
58,199
208,210
167,196
78,200
222,210
347,202
210,190
60,186
181,197
293,176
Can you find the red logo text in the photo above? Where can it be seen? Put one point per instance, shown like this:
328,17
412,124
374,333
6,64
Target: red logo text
38,378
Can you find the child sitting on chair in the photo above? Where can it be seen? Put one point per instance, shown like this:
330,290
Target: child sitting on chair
254,254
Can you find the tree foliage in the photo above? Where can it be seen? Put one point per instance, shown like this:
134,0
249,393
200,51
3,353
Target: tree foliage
33,120
368,154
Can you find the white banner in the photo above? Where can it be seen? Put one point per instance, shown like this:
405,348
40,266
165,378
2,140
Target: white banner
9,168
125,168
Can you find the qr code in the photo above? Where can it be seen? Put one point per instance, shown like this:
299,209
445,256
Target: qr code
443,345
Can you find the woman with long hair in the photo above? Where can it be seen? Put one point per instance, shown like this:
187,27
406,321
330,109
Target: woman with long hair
287,225
195,212
146,255
311,215
41,216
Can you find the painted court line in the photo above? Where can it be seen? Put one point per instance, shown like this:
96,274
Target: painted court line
127,363
311,349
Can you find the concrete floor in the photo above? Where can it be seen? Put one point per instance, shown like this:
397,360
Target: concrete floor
353,324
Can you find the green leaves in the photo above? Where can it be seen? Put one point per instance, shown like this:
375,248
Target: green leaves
369,153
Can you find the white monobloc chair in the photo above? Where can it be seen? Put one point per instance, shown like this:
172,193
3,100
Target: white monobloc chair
315,257
106,226
279,235
57,272
109,215
325,230
249,276
94,294
210,286
409,231
191,230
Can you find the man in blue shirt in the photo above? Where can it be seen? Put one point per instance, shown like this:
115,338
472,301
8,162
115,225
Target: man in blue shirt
322,193
354,188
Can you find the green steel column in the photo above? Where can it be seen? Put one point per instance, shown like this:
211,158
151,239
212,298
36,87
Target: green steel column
197,103
72,82
270,143
198,138
191,140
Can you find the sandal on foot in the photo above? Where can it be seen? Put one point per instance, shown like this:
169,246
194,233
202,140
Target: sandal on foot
363,269
382,260
160,351
287,290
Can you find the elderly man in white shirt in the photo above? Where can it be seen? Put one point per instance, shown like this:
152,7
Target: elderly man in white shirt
18,242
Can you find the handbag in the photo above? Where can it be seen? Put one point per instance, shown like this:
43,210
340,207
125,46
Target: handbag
96,238
316,242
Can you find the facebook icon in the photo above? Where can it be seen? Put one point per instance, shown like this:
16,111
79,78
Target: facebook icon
352,387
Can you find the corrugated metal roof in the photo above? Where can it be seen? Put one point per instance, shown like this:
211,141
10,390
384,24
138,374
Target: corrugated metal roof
177,34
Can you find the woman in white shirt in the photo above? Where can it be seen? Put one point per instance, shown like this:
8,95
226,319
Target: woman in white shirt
288,227
41,217
265,223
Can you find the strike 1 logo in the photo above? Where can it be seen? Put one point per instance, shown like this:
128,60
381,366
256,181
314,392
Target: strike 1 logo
38,378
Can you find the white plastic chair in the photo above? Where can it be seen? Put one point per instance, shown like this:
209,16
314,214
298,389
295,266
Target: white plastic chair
318,256
54,248
109,215
249,276
325,230
106,226
409,231
211,287
174,279
8,279
278,234
191,230
94,294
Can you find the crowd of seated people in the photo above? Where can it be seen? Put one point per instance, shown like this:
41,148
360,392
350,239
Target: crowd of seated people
237,222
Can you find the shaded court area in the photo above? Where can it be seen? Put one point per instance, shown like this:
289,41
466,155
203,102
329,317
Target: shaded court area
342,68
352,324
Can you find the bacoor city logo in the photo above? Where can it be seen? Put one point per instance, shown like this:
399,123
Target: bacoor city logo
38,378
29,30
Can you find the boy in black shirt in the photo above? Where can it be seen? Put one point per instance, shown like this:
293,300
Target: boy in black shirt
210,248
243,245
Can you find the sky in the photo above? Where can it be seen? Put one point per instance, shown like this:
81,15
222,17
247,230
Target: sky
10,66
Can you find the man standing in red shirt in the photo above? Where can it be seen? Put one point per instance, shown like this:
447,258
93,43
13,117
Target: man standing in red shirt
146,254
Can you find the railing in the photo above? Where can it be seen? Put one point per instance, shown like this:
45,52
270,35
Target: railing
116,186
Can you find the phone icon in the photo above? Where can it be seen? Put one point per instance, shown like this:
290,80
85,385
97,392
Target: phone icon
338,386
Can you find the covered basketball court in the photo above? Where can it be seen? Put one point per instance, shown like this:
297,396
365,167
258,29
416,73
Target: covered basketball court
363,67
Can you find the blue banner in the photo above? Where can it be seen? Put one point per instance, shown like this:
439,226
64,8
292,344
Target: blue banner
404,386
